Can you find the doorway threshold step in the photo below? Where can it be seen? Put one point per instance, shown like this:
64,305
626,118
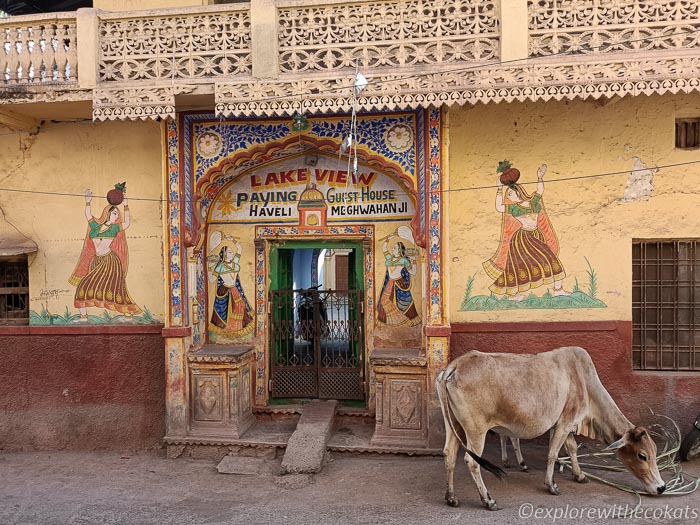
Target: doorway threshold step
306,448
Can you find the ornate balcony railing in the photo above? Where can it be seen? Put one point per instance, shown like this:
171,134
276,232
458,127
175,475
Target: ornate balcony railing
386,34
39,49
198,45
278,56
608,26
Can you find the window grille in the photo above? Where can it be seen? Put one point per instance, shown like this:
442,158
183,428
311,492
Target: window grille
14,290
688,133
666,305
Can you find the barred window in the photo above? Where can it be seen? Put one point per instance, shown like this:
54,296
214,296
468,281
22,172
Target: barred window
666,305
14,290
688,133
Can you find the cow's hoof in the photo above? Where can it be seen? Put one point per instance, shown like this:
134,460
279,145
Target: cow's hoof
581,478
523,467
554,489
451,500
506,464
491,505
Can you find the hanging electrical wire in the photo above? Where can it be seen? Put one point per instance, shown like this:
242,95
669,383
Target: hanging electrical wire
349,143
453,190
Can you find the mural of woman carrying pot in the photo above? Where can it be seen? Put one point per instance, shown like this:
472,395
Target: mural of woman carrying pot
100,275
527,254
396,305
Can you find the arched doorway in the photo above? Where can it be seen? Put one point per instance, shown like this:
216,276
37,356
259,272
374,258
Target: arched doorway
316,334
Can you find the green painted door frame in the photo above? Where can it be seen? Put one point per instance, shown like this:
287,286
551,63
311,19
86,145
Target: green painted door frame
281,277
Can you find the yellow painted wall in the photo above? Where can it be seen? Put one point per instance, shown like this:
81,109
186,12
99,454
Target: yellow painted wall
589,215
69,158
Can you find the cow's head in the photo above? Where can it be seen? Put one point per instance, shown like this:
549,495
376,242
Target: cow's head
638,452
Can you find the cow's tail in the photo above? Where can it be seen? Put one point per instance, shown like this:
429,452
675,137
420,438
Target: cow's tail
448,414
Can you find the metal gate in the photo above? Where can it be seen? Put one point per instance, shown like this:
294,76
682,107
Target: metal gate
317,344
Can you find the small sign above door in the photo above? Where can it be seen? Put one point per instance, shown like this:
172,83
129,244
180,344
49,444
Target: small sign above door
317,192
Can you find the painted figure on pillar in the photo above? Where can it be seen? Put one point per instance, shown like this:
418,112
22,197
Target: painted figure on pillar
100,275
231,314
396,305
527,255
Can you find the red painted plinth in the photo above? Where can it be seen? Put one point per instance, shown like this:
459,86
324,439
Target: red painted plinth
673,394
92,390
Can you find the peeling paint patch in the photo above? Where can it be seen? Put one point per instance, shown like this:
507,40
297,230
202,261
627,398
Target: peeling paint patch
640,182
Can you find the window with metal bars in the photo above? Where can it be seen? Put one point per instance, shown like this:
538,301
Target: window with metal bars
14,290
666,305
688,133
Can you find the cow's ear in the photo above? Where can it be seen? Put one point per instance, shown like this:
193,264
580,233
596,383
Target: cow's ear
617,444
637,434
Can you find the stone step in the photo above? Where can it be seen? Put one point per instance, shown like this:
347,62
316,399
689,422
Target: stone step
306,448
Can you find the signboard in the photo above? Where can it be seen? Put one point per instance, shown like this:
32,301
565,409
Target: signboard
277,193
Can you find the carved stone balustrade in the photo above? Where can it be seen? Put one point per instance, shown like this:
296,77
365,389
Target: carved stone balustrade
221,383
39,50
276,57
401,389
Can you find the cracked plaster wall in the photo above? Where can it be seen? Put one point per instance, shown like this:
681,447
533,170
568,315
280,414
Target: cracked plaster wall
596,218
68,158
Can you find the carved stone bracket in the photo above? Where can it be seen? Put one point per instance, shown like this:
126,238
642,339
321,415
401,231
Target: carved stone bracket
133,103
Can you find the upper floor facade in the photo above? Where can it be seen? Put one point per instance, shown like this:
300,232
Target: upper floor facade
274,57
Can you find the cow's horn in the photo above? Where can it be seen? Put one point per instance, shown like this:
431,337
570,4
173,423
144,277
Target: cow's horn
617,444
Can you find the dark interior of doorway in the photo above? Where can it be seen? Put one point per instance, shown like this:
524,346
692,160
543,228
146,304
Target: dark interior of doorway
325,270
311,273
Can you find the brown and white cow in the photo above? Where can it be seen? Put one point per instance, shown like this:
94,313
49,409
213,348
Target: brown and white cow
518,453
524,396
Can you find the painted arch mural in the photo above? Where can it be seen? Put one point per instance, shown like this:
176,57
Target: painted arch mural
229,179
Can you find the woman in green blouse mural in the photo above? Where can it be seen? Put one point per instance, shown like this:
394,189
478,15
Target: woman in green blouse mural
100,275
527,255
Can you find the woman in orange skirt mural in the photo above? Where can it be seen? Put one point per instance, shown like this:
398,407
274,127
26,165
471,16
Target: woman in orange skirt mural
231,314
100,275
527,255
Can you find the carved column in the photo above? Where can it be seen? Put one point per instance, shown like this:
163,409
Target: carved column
175,382
514,30
437,327
87,23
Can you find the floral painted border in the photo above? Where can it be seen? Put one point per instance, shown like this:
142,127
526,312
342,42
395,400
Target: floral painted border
435,214
175,280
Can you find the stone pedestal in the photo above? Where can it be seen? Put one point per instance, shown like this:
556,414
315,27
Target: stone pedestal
401,418
220,391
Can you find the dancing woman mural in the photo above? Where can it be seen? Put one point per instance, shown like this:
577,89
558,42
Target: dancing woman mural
396,306
527,254
100,275
231,314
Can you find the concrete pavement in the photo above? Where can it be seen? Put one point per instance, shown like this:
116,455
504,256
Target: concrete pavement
146,488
